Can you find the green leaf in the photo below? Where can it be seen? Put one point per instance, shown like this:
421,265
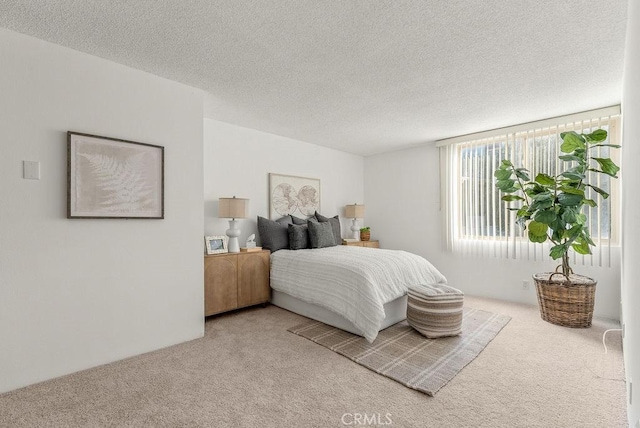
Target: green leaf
502,174
556,252
614,146
568,158
506,162
537,238
586,237
546,216
538,229
521,174
582,248
541,205
602,193
569,216
545,180
558,226
597,135
581,219
572,190
535,189
608,167
569,200
511,198
505,185
541,201
574,176
590,202
543,196
571,141
574,232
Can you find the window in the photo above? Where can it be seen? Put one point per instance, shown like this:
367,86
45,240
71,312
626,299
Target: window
477,220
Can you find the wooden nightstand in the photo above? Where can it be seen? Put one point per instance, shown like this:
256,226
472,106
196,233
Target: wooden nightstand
235,280
368,244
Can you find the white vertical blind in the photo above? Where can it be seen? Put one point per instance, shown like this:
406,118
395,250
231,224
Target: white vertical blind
477,222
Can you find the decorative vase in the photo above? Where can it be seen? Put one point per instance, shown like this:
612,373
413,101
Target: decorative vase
569,304
365,236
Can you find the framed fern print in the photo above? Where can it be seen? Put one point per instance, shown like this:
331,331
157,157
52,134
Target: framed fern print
112,178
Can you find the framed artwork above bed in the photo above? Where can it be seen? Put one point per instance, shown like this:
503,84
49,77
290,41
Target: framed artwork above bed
288,194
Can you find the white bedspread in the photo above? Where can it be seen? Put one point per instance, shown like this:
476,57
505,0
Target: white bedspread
353,281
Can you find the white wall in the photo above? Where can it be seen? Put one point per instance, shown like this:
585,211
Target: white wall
402,190
80,293
238,162
631,208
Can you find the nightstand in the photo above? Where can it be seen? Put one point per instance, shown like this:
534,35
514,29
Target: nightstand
235,280
368,244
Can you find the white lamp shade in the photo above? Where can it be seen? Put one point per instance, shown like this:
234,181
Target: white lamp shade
233,207
355,211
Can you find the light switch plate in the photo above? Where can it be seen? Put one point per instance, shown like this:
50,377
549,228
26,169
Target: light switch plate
31,170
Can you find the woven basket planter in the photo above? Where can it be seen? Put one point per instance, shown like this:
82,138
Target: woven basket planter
365,236
566,304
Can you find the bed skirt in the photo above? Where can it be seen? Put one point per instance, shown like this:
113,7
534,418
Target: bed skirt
395,311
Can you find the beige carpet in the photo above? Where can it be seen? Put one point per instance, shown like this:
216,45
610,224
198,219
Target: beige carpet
404,355
249,371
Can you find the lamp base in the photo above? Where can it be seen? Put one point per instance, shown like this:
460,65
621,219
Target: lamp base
233,233
355,229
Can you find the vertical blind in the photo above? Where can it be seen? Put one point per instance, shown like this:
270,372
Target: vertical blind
476,220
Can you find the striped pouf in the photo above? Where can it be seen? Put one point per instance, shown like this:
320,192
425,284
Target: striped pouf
435,310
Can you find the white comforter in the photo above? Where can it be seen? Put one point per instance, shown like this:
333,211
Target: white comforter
353,281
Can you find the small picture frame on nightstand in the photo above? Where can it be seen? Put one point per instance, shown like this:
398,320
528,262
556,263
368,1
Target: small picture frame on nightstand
216,244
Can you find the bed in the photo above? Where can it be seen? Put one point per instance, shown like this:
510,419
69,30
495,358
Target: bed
357,289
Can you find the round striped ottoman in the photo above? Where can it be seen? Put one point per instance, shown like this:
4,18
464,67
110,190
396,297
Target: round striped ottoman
435,310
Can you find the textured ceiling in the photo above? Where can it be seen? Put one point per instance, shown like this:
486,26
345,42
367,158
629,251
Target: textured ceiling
362,76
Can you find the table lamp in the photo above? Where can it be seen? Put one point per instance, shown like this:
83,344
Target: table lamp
233,208
355,212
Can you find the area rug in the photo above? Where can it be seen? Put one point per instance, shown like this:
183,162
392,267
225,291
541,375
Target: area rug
404,355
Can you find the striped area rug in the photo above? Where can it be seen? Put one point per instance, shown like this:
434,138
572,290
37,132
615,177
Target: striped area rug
404,355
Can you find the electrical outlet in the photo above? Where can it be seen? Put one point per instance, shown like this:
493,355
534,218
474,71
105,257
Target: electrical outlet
630,391
525,285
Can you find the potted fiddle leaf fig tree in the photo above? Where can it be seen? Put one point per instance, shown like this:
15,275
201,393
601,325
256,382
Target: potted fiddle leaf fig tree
550,209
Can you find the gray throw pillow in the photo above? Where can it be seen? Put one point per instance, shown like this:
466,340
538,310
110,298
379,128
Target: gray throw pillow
321,235
274,235
335,225
285,220
298,237
297,220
